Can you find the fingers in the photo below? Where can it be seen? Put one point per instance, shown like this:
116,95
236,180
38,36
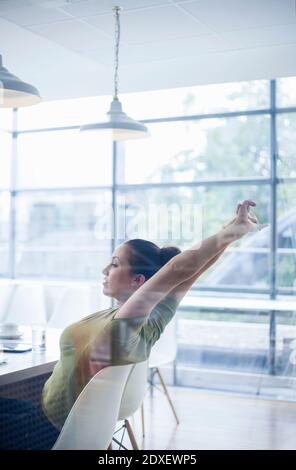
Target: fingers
253,217
244,207
246,201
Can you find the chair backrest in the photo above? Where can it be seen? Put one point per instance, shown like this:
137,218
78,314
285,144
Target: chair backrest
91,422
134,391
165,349
6,292
27,305
71,306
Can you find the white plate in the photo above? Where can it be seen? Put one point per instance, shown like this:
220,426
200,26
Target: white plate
15,336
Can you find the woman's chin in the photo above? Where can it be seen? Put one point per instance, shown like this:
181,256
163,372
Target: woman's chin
106,291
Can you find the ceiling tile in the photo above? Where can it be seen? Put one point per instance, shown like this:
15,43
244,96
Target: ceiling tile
259,37
241,14
11,4
73,34
165,50
151,25
33,15
83,8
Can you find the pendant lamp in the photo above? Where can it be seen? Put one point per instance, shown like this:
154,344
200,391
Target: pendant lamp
13,92
119,125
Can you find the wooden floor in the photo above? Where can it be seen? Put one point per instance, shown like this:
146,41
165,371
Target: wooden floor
210,420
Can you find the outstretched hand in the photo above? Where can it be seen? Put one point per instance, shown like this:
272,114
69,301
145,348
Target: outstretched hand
244,221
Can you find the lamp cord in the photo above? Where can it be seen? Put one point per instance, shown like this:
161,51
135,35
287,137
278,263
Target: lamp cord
116,10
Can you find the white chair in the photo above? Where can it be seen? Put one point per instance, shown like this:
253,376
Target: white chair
164,352
6,293
72,305
91,422
132,398
27,305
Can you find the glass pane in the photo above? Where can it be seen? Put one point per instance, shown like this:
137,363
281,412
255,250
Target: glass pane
286,128
60,236
182,216
191,151
4,232
230,351
286,276
5,159
203,99
285,335
286,235
63,113
6,119
286,91
63,158
223,341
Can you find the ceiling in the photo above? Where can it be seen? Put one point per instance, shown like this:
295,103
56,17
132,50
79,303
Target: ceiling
66,47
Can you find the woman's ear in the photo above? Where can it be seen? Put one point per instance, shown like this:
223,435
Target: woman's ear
138,280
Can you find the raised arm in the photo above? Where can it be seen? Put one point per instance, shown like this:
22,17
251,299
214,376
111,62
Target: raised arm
186,265
181,290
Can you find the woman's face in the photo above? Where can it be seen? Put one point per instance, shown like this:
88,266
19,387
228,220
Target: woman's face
119,282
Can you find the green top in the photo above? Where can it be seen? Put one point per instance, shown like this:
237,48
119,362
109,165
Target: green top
97,341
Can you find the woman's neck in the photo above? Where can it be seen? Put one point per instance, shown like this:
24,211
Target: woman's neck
121,301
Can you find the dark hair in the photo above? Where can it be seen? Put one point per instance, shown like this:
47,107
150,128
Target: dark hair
147,258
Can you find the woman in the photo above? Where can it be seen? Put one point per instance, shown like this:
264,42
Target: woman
148,284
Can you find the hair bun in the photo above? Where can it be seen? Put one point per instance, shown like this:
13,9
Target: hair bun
166,253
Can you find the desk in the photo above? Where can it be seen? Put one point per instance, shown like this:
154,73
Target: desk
28,365
270,306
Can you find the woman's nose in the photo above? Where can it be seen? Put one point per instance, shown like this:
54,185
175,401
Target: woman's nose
105,271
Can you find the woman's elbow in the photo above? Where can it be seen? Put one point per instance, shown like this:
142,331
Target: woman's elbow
180,270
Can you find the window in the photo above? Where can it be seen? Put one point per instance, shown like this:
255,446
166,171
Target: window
286,92
193,160
60,235
182,216
191,151
63,113
210,148
224,342
224,97
5,159
63,158
4,233
6,119
286,145
286,257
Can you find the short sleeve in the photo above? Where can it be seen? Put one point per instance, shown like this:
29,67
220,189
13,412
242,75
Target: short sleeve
159,318
131,339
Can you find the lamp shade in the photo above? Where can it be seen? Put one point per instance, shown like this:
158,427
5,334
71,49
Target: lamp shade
120,126
13,92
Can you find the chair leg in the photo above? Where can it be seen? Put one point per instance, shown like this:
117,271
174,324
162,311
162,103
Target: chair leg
167,394
142,419
131,435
